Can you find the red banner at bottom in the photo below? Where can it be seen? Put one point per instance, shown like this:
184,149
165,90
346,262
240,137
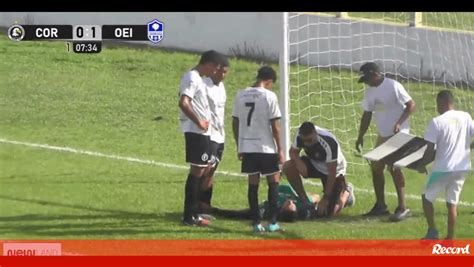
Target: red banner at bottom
144,252
235,247
220,261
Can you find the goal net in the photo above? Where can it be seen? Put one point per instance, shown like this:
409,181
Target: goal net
425,53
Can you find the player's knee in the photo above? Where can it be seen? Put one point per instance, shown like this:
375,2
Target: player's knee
395,172
425,199
291,172
254,179
451,206
274,178
197,171
398,178
377,168
208,171
304,174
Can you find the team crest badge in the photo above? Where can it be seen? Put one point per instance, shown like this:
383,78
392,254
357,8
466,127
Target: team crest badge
155,31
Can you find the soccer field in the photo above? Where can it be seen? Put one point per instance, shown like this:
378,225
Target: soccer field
90,148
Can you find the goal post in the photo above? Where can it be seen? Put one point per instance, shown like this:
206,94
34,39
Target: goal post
284,87
321,54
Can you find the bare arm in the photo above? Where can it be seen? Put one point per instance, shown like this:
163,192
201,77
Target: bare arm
295,156
364,123
409,109
428,157
235,130
276,130
364,126
332,168
187,107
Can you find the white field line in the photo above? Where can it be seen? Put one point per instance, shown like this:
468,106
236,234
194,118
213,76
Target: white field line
183,167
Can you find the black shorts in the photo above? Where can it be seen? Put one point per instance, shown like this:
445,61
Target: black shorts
198,149
217,151
260,163
339,187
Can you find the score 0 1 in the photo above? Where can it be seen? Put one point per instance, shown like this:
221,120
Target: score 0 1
87,33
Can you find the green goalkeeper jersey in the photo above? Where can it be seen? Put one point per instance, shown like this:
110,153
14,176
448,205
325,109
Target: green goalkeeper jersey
286,192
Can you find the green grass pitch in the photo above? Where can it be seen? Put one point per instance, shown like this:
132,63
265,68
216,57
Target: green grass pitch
107,103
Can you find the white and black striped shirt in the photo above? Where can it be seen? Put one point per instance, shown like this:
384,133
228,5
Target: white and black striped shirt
325,150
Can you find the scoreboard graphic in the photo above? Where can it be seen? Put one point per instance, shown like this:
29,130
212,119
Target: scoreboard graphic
88,38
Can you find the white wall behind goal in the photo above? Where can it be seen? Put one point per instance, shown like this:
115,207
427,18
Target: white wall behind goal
416,53
190,31
322,41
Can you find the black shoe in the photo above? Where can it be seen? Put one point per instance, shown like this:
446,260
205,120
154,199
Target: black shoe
377,211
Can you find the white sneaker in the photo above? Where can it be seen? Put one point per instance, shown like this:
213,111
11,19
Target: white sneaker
351,200
400,215
207,216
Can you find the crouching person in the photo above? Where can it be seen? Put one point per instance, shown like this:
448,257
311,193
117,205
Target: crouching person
323,160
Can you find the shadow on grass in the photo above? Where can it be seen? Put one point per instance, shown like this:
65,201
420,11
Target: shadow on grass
25,180
112,223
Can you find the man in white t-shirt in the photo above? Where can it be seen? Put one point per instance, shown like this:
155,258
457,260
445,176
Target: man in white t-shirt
256,127
391,105
195,116
451,133
217,98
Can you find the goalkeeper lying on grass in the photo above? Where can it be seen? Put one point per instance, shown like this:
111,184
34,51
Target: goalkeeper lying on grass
290,207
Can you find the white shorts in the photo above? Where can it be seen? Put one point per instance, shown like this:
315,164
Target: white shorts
449,182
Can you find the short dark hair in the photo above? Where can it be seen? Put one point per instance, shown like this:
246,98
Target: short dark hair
287,215
266,73
307,128
224,61
210,56
446,95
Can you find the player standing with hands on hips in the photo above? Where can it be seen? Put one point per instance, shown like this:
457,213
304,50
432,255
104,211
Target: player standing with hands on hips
451,133
256,127
392,106
195,116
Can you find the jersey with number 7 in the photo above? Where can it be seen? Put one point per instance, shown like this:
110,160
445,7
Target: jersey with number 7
255,108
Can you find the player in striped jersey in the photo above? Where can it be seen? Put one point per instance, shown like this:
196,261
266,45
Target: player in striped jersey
323,160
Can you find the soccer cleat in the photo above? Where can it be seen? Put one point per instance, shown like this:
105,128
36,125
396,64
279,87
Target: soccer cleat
351,200
431,234
258,228
274,227
208,217
377,211
197,221
400,215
